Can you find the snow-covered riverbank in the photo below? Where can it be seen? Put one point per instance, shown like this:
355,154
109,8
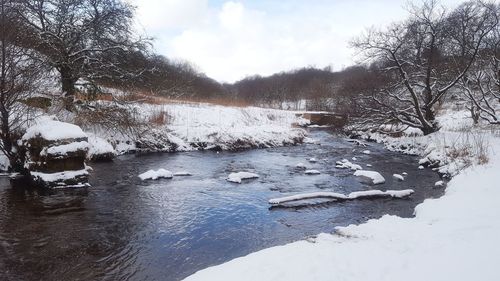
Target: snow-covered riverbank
450,238
183,127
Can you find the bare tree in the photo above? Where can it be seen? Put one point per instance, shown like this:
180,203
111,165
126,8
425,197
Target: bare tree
18,75
424,60
79,38
482,86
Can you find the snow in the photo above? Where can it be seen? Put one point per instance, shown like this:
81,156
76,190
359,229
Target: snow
354,159
99,146
339,196
182,174
153,175
64,149
346,164
52,130
421,167
369,165
439,184
301,166
239,176
404,173
193,126
313,160
375,177
312,172
60,176
366,152
398,177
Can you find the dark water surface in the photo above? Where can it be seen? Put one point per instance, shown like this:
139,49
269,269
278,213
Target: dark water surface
125,229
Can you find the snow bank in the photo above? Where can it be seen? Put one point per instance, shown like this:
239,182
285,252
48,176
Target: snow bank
153,175
375,177
239,176
194,126
53,130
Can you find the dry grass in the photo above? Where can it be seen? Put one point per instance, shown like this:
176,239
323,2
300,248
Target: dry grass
161,117
469,148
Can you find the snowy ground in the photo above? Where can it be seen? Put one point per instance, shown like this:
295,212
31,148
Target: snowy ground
191,126
450,238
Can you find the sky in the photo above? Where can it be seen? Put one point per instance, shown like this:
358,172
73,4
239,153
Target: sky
229,40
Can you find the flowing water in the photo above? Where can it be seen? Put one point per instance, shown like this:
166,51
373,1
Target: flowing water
126,229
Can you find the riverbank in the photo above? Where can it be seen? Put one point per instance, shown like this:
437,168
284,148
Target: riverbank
446,240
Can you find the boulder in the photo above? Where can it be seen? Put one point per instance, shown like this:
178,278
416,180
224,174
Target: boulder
55,154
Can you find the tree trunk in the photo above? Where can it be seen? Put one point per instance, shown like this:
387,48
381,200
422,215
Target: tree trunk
68,87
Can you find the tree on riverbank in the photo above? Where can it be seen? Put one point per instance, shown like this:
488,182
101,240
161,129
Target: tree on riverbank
19,75
425,56
81,39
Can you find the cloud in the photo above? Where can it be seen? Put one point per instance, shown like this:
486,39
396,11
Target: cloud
233,39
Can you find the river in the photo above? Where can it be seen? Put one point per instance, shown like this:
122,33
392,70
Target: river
126,229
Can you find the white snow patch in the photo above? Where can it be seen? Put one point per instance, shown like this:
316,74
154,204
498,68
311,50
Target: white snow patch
339,196
398,177
60,176
182,174
312,160
301,166
421,167
439,184
346,164
64,149
239,176
375,177
367,152
312,172
50,129
153,175
99,146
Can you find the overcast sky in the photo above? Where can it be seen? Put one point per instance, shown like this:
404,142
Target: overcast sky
229,40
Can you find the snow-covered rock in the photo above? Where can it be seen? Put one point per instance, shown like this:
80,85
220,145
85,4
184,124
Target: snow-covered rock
398,177
312,160
346,164
421,167
52,130
100,149
312,172
367,152
301,166
404,173
182,174
375,177
339,196
239,176
156,174
439,184
56,153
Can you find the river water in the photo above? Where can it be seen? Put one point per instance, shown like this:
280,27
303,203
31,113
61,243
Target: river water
125,229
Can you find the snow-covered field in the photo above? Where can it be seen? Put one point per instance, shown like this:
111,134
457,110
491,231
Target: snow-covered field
450,238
